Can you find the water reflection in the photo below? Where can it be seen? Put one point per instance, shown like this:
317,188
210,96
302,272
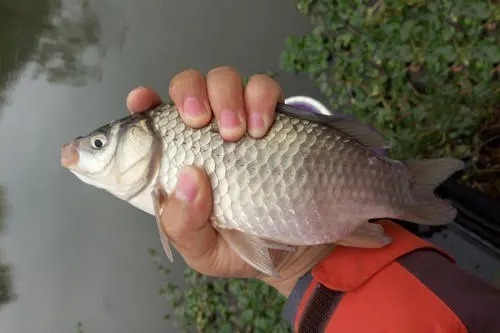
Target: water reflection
55,36
77,254
5,284
5,276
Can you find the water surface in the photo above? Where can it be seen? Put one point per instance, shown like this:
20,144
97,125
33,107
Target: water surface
77,253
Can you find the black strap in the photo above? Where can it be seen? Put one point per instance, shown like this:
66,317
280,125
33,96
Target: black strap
319,310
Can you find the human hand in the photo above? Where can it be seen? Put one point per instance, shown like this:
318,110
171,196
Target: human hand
185,217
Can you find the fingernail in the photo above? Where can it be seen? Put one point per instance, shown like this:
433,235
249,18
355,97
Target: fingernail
229,120
192,107
137,89
256,126
130,101
187,187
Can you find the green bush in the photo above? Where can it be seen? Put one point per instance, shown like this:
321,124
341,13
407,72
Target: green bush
222,305
424,73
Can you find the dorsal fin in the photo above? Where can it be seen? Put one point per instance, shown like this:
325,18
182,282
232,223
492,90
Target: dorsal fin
356,130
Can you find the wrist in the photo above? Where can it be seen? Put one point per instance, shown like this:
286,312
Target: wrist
283,286
293,266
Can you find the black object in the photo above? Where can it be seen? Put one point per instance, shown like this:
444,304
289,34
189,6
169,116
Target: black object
478,215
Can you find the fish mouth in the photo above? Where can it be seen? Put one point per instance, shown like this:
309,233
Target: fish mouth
69,155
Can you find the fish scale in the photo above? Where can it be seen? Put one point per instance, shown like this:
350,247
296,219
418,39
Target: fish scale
297,179
312,179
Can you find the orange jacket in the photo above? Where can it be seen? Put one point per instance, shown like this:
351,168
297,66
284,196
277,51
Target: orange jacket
409,286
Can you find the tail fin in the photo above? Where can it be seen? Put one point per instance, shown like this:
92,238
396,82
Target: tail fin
427,209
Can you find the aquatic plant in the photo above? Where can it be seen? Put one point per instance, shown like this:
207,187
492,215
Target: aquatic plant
424,73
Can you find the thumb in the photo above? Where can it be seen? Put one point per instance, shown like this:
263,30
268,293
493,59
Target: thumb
185,218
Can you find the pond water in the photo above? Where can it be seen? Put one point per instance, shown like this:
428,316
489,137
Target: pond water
77,254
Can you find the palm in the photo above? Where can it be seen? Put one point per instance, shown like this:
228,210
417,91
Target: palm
223,261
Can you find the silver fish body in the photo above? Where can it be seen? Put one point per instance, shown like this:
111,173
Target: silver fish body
302,184
310,180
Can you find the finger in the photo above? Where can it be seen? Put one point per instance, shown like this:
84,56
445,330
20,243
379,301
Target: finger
142,99
189,93
262,93
185,218
225,92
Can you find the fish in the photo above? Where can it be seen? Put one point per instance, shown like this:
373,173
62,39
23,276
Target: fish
313,179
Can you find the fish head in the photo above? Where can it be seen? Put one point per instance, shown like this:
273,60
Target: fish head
116,157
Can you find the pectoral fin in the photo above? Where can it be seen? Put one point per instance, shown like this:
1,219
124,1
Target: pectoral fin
279,246
253,250
368,235
159,198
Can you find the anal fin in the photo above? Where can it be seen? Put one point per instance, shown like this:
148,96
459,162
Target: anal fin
368,235
253,250
159,197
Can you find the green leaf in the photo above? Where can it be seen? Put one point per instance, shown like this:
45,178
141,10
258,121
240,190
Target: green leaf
479,9
226,328
406,29
447,52
247,315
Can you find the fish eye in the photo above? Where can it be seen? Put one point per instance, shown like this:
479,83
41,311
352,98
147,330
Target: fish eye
98,141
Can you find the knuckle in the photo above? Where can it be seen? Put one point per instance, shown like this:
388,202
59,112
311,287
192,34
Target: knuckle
186,75
223,71
262,78
262,86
